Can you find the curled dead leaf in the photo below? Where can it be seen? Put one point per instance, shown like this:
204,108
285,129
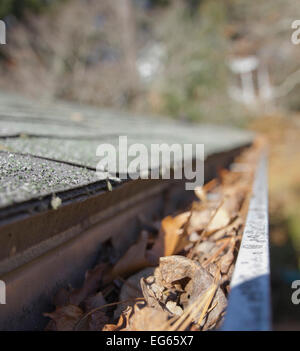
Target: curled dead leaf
181,280
114,327
131,289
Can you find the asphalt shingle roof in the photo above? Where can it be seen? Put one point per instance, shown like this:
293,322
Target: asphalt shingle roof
51,147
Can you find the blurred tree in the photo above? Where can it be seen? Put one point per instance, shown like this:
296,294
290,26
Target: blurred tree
124,13
193,6
17,8
159,2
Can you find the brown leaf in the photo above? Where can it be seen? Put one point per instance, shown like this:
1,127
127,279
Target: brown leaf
220,220
226,260
171,237
93,279
147,319
133,260
110,327
205,247
231,229
94,301
97,321
178,275
153,292
113,327
174,239
65,317
131,289
174,308
62,297
217,252
200,193
199,219
122,322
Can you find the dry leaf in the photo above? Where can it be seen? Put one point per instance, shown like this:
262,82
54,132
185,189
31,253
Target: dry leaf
200,193
97,321
62,297
180,293
199,219
178,277
194,237
220,220
174,308
231,229
226,260
205,247
93,279
134,259
131,289
153,291
123,321
65,317
114,327
171,237
94,301
146,319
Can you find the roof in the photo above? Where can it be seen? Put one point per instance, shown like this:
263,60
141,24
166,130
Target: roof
48,148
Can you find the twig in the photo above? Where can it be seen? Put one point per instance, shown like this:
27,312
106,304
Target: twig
216,254
191,253
207,304
76,326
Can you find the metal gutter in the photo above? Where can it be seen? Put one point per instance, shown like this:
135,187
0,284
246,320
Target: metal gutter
249,302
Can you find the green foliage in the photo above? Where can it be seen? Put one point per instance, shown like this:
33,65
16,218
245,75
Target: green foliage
294,229
160,2
17,7
194,86
5,7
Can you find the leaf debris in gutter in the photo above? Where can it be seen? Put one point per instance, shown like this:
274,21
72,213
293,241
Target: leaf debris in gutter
174,278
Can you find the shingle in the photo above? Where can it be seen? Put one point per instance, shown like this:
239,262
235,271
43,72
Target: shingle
69,134
24,178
